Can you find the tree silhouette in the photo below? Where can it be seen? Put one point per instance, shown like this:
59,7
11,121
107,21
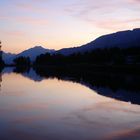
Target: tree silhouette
1,60
22,61
105,56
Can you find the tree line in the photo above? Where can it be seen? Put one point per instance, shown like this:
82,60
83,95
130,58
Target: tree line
106,56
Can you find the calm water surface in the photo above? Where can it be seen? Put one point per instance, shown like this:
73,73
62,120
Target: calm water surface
52,109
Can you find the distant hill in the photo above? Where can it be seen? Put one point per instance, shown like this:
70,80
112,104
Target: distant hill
8,57
122,39
32,53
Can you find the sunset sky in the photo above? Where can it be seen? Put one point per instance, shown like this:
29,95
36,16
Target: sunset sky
59,24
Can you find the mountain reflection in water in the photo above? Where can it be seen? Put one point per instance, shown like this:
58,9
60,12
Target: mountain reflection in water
123,87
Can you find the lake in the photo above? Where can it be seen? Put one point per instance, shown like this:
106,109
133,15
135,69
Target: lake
35,107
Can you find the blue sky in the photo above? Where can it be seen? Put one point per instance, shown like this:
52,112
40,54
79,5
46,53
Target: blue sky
59,24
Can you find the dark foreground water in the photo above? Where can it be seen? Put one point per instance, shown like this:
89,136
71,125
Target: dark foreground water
33,107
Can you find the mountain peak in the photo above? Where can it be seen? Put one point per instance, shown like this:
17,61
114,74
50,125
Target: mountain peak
38,47
35,48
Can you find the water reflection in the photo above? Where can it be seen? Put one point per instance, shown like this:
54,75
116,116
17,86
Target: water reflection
0,80
48,106
0,77
122,87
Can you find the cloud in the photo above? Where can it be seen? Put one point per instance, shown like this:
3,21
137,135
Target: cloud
31,21
30,7
23,12
89,6
14,33
115,24
134,1
25,20
110,14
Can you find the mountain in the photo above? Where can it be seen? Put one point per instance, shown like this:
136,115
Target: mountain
32,53
8,57
122,39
